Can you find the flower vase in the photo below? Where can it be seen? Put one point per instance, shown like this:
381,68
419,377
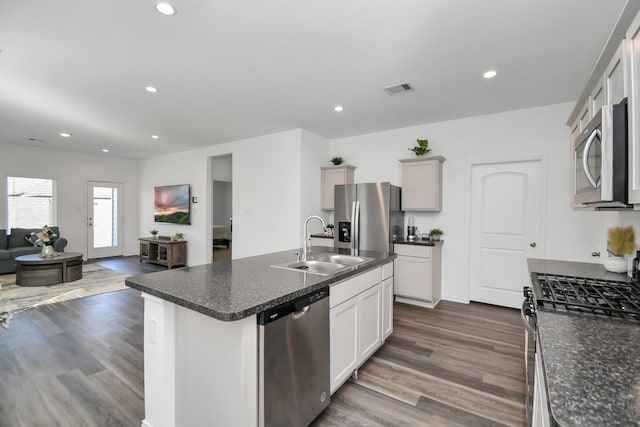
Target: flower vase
47,251
615,264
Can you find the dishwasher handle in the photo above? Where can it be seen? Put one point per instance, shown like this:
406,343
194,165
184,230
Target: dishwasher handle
300,313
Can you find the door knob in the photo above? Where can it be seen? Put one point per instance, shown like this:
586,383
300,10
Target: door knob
532,244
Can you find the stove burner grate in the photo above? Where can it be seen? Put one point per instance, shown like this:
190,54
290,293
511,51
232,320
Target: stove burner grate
602,297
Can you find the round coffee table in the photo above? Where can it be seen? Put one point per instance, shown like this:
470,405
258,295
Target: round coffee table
34,270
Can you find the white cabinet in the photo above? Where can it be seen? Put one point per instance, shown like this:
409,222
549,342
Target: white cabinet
417,274
343,324
632,63
355,323
614,78
422,183
597,99
330,177
387,300
370,321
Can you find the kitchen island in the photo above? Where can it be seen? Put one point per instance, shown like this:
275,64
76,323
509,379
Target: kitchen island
591,363
200,333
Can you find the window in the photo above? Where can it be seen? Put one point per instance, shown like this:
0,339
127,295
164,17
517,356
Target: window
31,202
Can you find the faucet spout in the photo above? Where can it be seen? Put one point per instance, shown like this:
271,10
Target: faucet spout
305,232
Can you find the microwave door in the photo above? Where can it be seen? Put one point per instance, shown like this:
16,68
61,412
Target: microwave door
592,158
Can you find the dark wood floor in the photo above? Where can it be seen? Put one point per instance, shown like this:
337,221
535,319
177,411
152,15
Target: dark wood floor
80,363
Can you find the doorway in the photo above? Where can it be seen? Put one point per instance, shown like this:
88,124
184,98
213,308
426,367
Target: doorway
104,233
222,208
506,223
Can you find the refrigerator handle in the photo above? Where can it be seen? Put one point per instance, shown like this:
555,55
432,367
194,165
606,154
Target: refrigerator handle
355,238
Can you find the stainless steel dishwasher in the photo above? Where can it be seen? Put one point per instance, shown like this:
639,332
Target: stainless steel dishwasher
293,357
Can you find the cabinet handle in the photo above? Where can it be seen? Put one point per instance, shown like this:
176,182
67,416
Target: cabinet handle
533,244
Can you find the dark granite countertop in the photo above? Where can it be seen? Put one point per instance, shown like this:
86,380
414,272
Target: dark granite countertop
592,363
232,290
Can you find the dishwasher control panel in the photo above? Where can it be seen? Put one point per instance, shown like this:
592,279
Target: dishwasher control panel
292,306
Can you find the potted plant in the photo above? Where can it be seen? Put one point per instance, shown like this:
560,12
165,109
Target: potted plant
422,148
435,234
621,241
154,233
178,237
336,160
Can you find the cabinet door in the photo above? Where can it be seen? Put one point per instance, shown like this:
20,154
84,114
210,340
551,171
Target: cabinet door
344,341
412,277
614,80
632,57
144,250
163,253
597,99
369,322
387,307
422,185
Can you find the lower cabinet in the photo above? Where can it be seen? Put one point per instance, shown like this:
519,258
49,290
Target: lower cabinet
369,322
387,307
417,274
360,315
343,321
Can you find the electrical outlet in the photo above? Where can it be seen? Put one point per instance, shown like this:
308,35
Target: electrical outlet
152,330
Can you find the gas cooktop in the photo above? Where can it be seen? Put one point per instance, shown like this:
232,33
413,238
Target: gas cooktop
578,294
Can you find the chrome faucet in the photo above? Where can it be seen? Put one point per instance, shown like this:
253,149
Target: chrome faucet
305,232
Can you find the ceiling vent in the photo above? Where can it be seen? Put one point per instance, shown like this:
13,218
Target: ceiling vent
398,89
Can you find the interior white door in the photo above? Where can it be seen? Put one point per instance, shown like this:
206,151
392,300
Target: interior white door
506,229
104,223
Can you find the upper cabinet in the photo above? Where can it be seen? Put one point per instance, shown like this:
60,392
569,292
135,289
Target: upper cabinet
616,76
632,67
332,176
422,183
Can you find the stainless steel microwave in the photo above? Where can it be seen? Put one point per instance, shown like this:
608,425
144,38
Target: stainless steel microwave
601,159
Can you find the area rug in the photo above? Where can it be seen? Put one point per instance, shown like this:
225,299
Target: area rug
95,280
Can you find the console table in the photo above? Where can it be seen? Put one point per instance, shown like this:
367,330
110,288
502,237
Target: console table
163,251
34,270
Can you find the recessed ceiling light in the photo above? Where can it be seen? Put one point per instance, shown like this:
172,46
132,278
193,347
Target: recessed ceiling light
165,8
338,108
65,134
489,74
151,89
105,150
154,137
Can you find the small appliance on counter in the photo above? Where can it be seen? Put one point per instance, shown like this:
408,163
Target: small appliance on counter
412,231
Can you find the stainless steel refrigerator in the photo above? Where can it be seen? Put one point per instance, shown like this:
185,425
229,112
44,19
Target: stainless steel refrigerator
368,216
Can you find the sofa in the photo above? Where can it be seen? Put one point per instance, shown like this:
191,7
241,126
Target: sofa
14,244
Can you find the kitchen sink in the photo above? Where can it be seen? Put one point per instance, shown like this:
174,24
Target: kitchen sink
325,264
348,260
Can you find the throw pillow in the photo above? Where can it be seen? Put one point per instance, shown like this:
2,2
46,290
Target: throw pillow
44,236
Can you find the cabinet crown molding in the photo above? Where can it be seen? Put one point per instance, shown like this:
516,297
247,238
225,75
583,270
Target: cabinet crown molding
337,167
423,159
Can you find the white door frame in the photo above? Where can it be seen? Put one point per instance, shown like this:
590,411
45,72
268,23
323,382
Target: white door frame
543,202
111,251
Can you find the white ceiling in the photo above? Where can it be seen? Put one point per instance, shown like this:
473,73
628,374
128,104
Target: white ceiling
232,69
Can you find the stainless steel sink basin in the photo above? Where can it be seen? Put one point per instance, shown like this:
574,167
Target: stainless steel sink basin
348,260
325,264
312,266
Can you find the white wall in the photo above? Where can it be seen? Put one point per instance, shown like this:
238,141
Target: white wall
536,132
315,154
266,194
72,171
